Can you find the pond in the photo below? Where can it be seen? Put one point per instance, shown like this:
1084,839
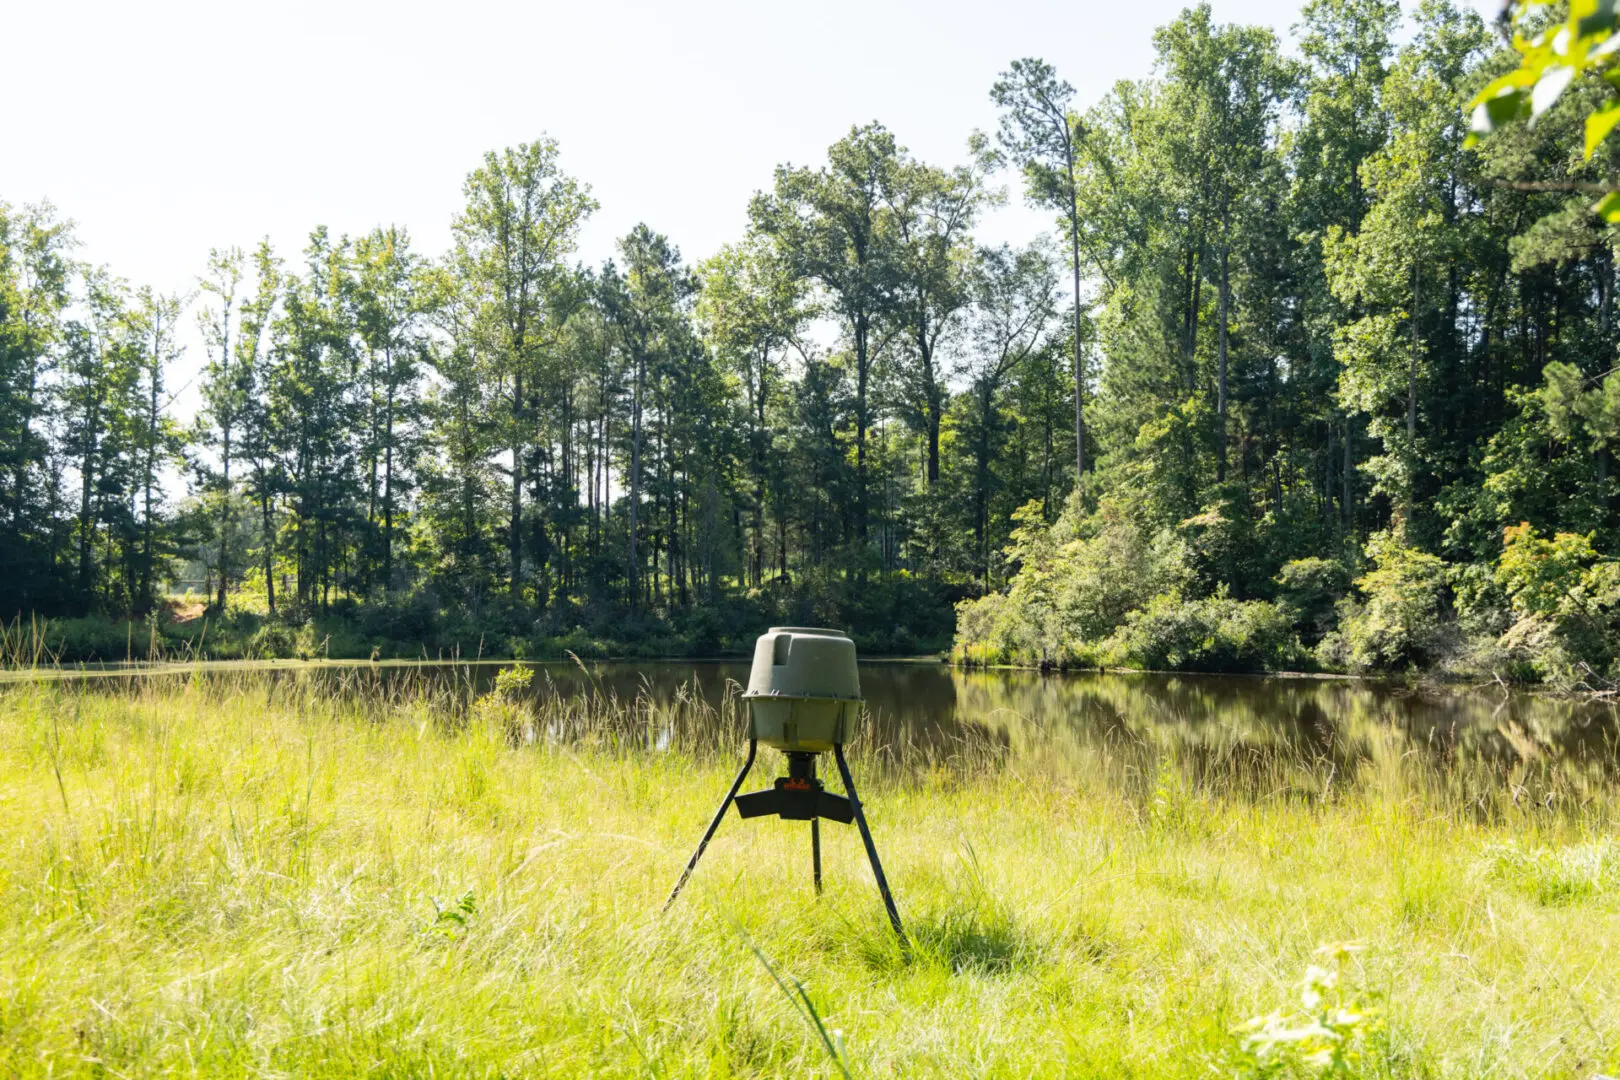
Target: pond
932,705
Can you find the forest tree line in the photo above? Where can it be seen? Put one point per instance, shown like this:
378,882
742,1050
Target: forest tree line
1298,377
1357,405
501,443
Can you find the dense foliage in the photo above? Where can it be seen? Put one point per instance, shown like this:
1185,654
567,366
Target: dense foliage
1355,403
501,449
1333,375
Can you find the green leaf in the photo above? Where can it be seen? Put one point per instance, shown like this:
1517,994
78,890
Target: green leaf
1599,124
1493,112
1520,78
1549,88
1600,19
1608,208
1507,86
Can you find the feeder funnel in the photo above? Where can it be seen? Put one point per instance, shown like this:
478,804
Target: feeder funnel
803,695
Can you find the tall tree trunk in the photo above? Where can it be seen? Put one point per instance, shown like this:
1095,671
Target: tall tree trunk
1079,353
1603,455
87,480
19,482
933,439
368,542
661,539
781,549
635,477
1411,372
515,532
1220,382
1347,471
267,538
224,518
604,465
565,491
388,482
1605,298
931,398
144,601
1189,321
225,425
981,484
758,568
1411,401
861,343
1073,216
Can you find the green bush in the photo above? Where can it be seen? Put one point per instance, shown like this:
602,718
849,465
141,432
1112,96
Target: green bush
1483,608
582,644
272,641
995,629
1103,577
413,618
1565,598
1078,581
1216,633
97,638
1312,588
1397,621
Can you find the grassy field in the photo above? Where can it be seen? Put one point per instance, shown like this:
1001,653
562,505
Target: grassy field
234,876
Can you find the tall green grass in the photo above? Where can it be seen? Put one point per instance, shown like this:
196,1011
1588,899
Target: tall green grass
245,875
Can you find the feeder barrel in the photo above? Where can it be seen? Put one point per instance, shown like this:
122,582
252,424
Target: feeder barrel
804,689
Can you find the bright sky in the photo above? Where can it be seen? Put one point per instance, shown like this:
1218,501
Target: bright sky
168,127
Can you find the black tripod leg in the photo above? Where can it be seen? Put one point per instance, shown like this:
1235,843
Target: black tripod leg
815,850
725,804
866,838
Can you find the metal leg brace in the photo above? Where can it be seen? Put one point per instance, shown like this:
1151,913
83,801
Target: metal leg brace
725,804
815,850
866,838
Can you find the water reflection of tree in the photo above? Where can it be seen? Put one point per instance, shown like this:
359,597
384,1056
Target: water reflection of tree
1236,732
1248,731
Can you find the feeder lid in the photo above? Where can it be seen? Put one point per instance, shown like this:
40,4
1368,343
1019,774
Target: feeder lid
804,662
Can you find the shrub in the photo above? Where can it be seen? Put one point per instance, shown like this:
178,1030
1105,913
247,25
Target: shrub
507,704
1213,634
1311,588
410,619
1565,598
1078,581
1544,577
1105,577
96,637
1397,623
995,630
581,643
272,641
1482,606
